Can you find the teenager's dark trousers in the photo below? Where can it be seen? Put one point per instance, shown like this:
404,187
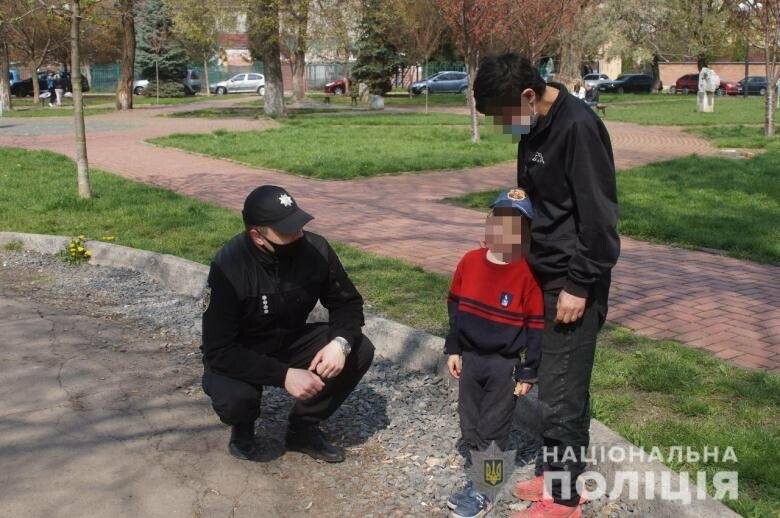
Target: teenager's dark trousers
486,400
564,385
237,402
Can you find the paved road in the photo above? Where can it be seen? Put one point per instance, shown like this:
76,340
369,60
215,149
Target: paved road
728,307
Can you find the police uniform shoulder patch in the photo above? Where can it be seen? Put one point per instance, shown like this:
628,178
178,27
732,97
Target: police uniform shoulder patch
205,298
516,194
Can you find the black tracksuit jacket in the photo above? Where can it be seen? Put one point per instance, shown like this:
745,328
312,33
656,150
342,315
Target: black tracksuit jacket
259,305
566,165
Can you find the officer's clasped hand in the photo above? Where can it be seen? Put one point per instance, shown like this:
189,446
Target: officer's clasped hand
302,384
329,361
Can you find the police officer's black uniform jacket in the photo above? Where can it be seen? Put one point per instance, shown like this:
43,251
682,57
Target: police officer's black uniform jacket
259,304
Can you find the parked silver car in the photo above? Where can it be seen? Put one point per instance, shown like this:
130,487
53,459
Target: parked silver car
250,82
191,81
595,80
447,81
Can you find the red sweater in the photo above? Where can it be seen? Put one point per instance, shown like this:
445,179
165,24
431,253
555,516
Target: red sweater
496,308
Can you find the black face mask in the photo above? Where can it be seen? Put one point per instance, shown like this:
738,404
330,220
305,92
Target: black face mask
288,250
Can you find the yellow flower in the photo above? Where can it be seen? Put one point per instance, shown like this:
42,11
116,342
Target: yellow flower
82,237
80,249
87,254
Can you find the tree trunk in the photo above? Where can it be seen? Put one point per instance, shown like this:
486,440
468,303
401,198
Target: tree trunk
82,164
35,83
771,90
5,83
701,61
264,40
206,76
124,89
471,71
299,54
656,74
298,64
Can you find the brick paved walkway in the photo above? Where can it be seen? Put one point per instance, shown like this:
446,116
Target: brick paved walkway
726,306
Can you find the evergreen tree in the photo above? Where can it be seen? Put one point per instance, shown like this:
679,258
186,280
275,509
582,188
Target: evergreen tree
157,46
377,58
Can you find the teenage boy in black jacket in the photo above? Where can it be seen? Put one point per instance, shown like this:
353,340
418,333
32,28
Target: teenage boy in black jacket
565,164
263,285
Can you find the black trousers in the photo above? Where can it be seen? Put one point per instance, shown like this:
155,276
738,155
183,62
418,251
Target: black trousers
237,402
564,386
486,400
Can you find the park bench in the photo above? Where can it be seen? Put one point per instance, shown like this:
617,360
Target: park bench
602,108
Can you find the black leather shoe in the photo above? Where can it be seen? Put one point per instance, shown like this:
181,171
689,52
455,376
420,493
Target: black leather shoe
242,441
311,441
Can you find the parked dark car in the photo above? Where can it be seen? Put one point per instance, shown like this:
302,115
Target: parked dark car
689,83
24,88
756,85
448,81
628,83
337,87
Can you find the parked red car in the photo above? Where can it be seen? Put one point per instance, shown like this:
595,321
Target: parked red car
690,83
337,87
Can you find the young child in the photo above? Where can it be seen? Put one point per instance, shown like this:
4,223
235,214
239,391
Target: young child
496,315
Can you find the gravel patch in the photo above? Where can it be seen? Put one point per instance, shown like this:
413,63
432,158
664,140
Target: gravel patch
400,428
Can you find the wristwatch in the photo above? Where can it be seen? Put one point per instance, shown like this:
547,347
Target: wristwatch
345,347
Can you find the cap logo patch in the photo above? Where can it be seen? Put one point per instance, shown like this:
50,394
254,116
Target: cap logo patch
285,200
516,195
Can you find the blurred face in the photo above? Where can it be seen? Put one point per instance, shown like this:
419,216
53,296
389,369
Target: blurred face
266,237
507,235
517,119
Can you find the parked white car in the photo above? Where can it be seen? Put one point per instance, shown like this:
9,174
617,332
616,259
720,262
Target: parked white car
250,82
139,85
594,80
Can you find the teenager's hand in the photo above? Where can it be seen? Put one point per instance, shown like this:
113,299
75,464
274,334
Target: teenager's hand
302,384
455,365
569,308
522,388
329,361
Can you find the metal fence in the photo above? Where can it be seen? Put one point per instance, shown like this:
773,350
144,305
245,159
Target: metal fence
104,78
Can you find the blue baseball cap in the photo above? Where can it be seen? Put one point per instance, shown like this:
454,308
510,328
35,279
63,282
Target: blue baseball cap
515,199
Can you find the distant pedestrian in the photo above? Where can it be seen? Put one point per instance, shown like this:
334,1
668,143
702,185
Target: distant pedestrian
59,88
50,86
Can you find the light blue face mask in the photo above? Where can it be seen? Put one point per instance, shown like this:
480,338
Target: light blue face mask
522,129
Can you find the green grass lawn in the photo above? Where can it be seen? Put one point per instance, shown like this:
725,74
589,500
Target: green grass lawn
737,136
680,110
653,393
718,203
400,99
344,146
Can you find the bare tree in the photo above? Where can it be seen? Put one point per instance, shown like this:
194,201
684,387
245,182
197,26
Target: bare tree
763,19
472,23
420,29
29,30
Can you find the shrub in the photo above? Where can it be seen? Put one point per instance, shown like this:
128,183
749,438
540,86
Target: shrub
167,89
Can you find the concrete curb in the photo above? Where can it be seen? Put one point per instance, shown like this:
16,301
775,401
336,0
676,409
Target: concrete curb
414,350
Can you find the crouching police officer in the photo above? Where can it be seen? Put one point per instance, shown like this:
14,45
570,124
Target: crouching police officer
263,284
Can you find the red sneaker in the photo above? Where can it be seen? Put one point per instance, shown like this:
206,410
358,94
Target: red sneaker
548,509
530,490
533,491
